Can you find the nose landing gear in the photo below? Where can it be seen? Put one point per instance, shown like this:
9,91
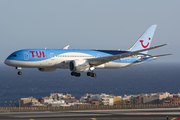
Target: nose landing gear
19,72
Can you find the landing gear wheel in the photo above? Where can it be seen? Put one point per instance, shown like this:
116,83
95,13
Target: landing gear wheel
78,74
88,73
93,75
73,73
19,73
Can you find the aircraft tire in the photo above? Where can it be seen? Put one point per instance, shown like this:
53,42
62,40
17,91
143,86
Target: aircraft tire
19,73
93,75
73,73
78,74
88,74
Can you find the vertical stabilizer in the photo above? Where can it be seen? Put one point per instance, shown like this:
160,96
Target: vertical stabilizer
145,40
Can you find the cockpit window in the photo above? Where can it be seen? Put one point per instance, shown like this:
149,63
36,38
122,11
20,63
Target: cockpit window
13,55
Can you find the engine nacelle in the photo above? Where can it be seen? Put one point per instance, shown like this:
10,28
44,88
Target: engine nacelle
79,65
46,69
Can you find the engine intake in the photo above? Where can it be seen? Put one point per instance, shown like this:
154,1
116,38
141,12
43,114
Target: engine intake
79,65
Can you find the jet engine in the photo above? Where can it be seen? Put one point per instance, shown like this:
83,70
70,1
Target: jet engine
46,69
79,65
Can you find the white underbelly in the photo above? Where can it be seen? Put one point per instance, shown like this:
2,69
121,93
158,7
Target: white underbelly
32,64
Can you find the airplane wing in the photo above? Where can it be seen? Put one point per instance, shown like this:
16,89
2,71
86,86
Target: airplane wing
102,60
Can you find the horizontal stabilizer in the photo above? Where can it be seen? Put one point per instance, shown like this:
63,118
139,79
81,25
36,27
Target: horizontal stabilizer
161,55
155,57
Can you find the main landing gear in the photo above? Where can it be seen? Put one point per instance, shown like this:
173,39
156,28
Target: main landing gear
76,74
91,74
88,73
19,72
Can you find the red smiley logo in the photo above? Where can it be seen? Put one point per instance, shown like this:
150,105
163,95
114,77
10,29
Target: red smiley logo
144,46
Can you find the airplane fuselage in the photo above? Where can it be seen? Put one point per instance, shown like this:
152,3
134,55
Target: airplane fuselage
59,58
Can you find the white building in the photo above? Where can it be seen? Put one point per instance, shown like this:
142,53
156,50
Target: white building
107,99
57,103
161,95
104,98
84,98
47,100
57,96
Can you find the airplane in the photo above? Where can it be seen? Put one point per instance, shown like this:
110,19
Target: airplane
78,61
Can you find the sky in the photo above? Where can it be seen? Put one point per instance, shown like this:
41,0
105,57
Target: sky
88,24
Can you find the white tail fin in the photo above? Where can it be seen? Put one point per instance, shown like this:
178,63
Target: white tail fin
145,40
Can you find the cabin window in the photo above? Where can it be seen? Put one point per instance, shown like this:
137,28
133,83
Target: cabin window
13,55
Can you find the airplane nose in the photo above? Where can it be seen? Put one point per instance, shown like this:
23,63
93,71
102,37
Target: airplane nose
6,62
